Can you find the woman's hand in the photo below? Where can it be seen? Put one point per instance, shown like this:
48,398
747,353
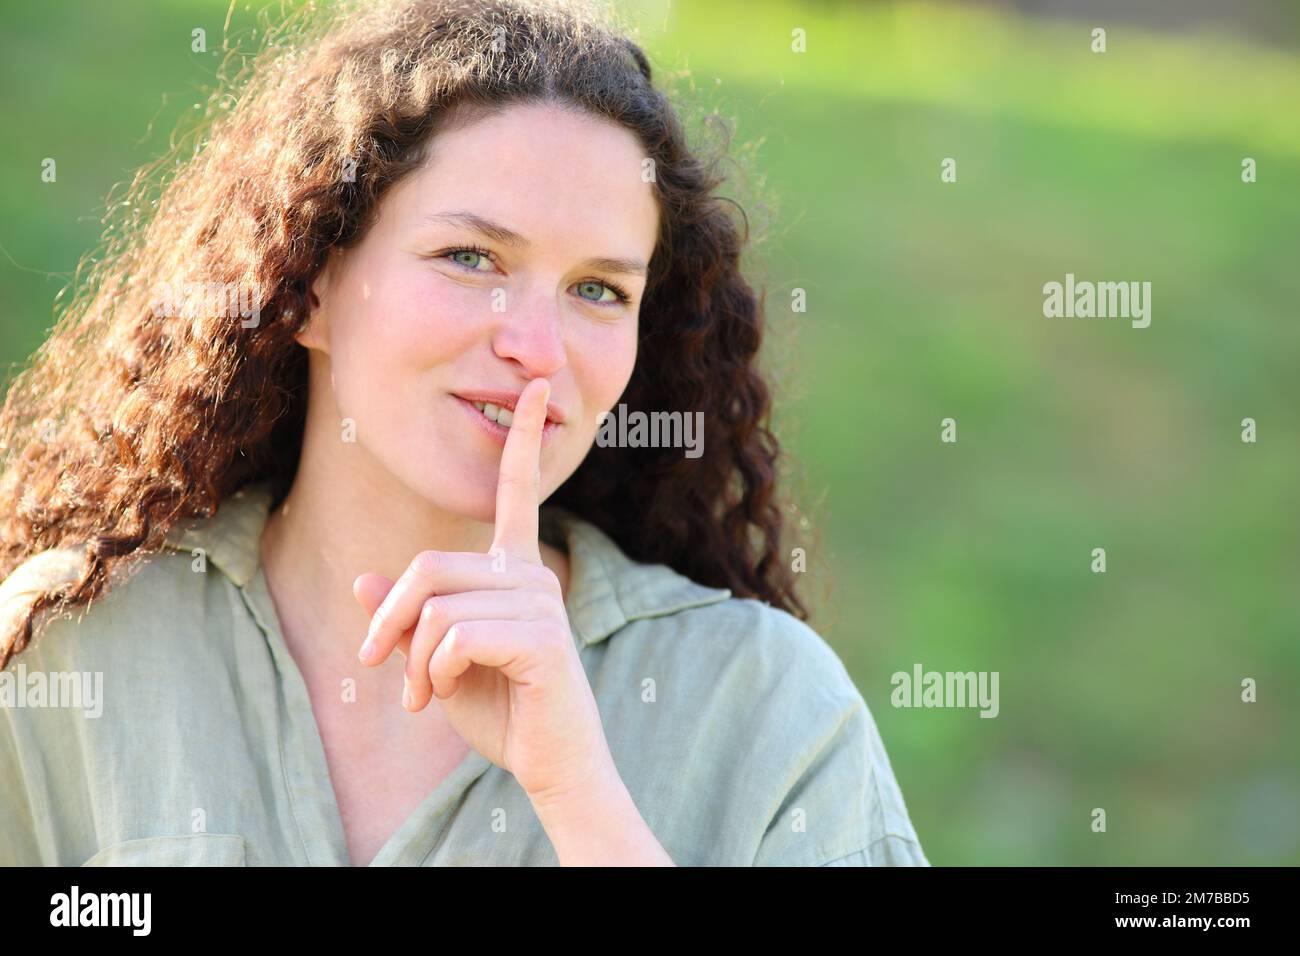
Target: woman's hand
488,635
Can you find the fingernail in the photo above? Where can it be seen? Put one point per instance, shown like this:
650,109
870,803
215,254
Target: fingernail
406,697
367,649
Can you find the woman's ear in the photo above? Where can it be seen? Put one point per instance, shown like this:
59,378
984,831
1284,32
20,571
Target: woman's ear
314,333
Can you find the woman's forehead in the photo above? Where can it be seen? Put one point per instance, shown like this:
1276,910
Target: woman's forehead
532,175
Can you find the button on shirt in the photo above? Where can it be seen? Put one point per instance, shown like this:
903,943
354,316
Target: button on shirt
167,724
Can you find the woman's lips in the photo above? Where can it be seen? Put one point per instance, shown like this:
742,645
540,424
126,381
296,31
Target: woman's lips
508,400
496,430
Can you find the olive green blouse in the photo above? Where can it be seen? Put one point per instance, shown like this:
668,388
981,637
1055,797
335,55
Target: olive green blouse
168,724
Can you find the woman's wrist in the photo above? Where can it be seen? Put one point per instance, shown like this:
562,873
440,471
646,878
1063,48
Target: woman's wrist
598,824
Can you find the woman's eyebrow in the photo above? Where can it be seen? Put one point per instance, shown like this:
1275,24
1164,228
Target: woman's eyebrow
507,236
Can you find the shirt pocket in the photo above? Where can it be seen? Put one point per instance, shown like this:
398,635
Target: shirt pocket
191,849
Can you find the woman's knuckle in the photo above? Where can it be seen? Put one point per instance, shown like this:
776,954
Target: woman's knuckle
457,639
426,563
433,610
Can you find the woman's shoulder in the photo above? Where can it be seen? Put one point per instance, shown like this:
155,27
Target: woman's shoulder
147,598
752,697
157,598
777,637
768,648
791,706
659,618
38,574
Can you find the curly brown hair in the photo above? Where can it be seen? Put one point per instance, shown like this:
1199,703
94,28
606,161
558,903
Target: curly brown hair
129,421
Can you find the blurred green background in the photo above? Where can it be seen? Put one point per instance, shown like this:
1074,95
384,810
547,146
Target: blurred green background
1118,690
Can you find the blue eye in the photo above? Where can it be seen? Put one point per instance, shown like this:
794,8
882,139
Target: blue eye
473,253
619,294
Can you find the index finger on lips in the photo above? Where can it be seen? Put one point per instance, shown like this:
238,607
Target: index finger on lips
519,479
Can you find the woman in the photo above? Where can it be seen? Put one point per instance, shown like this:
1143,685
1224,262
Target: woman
445,238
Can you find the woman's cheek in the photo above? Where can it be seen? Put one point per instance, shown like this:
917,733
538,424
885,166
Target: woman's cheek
437,320
371,374
417,327
608,362
602,360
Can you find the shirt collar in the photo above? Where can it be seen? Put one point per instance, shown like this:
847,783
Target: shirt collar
231,539
607,589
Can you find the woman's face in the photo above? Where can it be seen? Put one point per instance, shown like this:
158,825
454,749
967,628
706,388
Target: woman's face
494,263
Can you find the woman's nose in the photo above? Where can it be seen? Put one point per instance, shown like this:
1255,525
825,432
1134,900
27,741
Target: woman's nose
530,333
